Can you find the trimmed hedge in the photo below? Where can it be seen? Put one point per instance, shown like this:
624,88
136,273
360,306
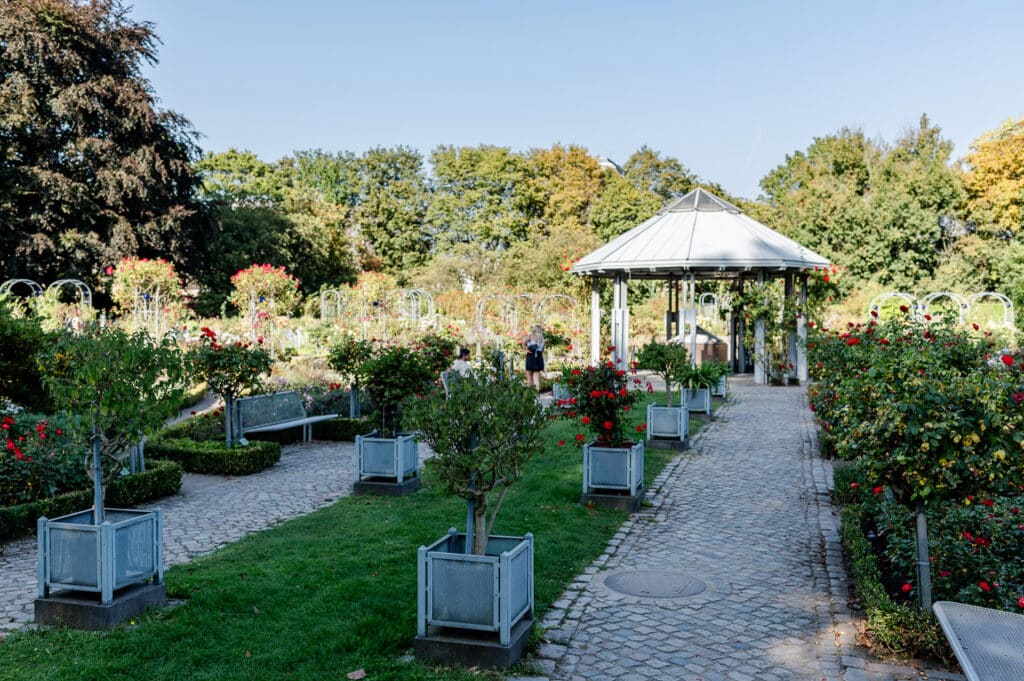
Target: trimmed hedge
341,429
161,479
214,457
894,626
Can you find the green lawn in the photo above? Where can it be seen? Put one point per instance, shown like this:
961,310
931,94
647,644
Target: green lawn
326,594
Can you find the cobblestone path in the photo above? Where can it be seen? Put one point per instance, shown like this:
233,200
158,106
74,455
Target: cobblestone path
747,516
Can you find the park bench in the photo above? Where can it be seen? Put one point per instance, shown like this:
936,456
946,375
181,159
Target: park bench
276,411
989,644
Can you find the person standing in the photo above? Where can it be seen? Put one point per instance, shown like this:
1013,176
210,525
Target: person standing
534,345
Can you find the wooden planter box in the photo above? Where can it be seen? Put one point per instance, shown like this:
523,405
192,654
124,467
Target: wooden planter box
391,458
77,554
489,593
616,469
668,422
698,399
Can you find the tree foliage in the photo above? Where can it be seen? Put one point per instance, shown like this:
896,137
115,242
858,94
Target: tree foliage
994,177
90,169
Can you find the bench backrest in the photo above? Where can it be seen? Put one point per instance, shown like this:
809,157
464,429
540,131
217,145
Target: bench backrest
265,410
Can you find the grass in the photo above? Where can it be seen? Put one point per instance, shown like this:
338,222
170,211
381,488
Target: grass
325,594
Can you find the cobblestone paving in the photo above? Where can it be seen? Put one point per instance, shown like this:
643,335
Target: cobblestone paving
747,512
210,512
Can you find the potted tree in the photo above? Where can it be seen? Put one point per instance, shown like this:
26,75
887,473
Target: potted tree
387,459
477,583
613,464
347,353
230,370
671,363
697,381
123,386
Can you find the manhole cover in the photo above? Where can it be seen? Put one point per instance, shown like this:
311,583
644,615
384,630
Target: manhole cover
655,584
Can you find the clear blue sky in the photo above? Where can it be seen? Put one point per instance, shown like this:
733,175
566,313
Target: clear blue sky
727,87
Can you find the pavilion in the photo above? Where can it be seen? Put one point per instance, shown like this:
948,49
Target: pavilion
698,236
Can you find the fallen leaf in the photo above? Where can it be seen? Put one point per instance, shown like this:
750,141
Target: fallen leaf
357,674
248,654
255,610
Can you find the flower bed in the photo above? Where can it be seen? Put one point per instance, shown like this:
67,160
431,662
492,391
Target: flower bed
933,419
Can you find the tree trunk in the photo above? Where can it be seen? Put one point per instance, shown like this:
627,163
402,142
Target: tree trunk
480,526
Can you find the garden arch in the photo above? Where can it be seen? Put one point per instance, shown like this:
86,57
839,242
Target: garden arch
550,308
1009,320
8,286
333,303
876,303
83,290
696,236
962,305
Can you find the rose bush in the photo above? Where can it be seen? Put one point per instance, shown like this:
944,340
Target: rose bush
600,400
40,456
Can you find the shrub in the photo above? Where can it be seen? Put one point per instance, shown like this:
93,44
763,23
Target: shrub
214,456
391,376
896,627
601,401
160,479
40,456
20,378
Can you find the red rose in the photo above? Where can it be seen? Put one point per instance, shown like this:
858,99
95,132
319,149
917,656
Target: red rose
585,420
853,341
1007,360
988,502
1020,601
579,437
854,485
984,586
878,490
975,325
904,308
561,443
608,425
906,588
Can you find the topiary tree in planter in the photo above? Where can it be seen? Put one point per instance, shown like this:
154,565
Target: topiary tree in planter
390,376
671,362
482,435
124,386
231,370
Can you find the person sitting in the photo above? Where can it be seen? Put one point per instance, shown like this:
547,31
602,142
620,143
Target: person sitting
461,364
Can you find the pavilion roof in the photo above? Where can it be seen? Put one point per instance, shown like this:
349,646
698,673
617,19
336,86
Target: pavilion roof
698,233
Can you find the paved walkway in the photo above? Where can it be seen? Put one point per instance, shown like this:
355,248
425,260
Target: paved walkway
743,523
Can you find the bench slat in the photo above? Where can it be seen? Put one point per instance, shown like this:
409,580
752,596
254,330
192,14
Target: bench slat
988,643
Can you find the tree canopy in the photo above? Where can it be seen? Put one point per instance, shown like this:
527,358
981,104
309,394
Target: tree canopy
90,169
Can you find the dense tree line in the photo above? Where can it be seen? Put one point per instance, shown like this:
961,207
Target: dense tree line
91,170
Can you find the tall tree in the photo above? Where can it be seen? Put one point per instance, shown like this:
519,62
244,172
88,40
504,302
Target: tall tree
621,206
477,197
993,178
388,218
667,177
90,170
564,183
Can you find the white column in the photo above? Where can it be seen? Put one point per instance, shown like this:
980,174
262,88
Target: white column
802,369
616,318
792,344
760,376
595,321
693,321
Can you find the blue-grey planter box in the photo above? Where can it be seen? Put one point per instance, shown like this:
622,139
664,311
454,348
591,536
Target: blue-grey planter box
489,593
697,399
559,392
387,457
613,468
77,554
668,422
721,388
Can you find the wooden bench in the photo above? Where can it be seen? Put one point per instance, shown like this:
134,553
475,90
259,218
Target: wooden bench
989,644
277,411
